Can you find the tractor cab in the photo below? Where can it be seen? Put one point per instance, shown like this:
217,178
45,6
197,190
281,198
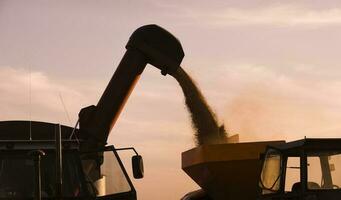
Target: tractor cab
308,169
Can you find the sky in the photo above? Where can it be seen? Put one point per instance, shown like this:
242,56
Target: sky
269,69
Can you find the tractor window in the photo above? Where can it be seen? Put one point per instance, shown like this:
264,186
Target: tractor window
17,175
271,172
115,180
16,178
292,173
324,170
106,177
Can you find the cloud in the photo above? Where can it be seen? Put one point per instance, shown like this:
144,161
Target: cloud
36,96
274,15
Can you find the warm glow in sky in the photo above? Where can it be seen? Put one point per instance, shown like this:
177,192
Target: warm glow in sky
270,69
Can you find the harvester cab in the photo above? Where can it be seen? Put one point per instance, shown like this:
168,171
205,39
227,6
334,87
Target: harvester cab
49,165
308,169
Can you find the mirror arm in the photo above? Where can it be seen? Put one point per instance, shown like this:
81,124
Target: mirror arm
127,148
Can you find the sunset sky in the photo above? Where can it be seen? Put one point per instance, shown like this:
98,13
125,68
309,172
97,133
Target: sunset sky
269,69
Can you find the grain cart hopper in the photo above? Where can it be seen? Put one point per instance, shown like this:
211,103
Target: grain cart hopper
225,171
308,169
46,160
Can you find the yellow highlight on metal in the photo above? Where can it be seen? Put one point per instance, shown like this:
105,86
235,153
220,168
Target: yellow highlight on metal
226,171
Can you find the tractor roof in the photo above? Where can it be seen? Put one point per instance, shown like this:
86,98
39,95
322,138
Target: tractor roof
21,130
310,144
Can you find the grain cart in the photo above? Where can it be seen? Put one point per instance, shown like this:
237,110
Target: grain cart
308,169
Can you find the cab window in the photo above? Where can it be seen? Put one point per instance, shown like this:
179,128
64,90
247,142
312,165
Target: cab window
324,170
271,172
292,178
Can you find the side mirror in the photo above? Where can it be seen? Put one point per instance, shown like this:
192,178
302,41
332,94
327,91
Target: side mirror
137,163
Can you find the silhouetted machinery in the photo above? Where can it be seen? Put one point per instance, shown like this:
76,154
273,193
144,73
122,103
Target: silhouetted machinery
308,169
44,160
40,160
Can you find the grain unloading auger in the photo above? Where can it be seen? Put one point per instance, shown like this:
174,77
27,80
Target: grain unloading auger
45,160
148,45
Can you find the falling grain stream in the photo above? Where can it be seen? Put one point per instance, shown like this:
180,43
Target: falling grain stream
203,119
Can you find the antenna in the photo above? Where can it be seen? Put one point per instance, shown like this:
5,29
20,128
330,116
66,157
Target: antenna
73,132
64,107
30,101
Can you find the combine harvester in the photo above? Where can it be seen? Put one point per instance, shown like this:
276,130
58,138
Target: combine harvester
40,160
